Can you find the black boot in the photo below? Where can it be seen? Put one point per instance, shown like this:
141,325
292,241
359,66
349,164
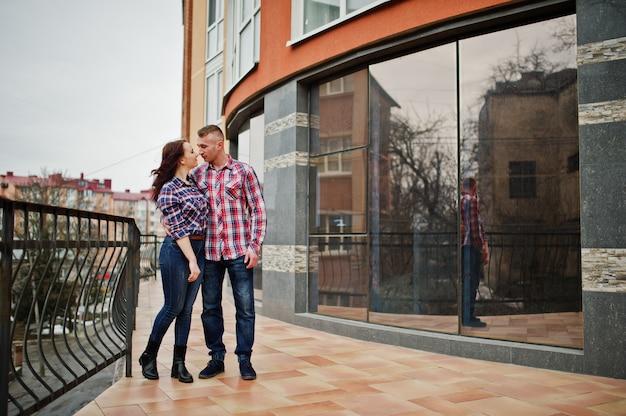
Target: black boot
148,361
179,370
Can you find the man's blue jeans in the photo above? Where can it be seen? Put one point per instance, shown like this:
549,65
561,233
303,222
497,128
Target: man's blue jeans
241,281
472,264
179,294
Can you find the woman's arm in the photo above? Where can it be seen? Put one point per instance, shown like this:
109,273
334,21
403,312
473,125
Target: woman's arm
185,246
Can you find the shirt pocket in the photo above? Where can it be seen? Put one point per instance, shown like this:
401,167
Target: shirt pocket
234,188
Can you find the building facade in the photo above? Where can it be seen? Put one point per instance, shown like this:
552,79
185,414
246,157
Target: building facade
86,194
363,119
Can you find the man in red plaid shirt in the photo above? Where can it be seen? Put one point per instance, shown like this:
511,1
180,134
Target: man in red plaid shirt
235,233
475,250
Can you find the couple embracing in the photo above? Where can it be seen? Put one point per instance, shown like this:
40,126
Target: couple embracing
215,220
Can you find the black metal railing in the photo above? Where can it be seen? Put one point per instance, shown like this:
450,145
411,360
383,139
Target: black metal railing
148,264
532,272
69,284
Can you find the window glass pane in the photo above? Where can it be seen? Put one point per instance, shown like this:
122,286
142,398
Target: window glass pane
246,10
246,50
211,10
212,43
342,114
319,12
338,184
413,186
520,135
338,276
257,36
353,5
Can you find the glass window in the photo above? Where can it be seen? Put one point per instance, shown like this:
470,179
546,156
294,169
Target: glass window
338,164
244,21
522,179
519,106
407,182
214,98
311,15
413,190
215,28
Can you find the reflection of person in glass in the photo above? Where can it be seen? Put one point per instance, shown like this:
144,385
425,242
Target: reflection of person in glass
475,251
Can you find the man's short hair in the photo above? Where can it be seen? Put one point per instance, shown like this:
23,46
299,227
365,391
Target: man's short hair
211,128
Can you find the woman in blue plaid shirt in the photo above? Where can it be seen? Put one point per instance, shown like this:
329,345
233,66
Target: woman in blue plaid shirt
184,214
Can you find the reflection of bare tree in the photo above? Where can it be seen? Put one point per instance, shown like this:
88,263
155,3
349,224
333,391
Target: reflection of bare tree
423,172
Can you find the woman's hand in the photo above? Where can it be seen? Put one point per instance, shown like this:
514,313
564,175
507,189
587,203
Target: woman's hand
194,271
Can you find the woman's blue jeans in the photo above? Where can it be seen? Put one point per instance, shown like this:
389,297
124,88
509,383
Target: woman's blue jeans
179,294
241,280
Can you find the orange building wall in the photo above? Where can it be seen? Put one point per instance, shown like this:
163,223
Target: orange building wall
278,61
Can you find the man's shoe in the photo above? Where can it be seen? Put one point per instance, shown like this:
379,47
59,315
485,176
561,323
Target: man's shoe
213,368
246,370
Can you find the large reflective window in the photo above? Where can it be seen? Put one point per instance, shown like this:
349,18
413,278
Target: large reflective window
520,143
411,178
338,196
413,188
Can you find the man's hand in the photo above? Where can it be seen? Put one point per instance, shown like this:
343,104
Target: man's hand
251,259
485,254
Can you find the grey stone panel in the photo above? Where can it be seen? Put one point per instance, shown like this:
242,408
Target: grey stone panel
605,337
603,205
292,138
280,102
548,357
600,20
603,143
481,349
278,295
427,342
602,81
284,192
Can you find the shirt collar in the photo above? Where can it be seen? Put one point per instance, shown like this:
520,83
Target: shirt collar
229,164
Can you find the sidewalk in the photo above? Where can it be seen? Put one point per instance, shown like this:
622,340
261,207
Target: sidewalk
306,372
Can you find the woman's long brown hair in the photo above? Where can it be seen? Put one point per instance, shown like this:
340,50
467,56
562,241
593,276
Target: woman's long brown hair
172,152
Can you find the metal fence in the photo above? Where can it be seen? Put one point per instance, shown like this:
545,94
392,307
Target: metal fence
532,272
148,264
69,291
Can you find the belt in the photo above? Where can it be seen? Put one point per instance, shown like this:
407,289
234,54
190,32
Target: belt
196,237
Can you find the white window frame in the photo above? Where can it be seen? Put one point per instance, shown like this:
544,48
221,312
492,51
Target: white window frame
244,18
215,30
297,19
213,95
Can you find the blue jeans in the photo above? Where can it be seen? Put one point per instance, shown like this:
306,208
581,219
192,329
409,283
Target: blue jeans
472,264
179,294
241,280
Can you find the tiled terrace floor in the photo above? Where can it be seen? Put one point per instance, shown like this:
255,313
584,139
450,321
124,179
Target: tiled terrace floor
306,372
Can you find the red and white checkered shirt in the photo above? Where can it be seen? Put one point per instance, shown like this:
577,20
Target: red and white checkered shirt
237,216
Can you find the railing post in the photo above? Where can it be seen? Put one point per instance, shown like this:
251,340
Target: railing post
8,211
132,289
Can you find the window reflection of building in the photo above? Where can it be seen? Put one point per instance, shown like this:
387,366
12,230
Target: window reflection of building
530,190
402,167
339,181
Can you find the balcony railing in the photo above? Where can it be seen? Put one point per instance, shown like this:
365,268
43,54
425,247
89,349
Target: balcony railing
69,285
533,272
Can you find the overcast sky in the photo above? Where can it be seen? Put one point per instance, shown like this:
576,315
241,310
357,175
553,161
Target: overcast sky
89,87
